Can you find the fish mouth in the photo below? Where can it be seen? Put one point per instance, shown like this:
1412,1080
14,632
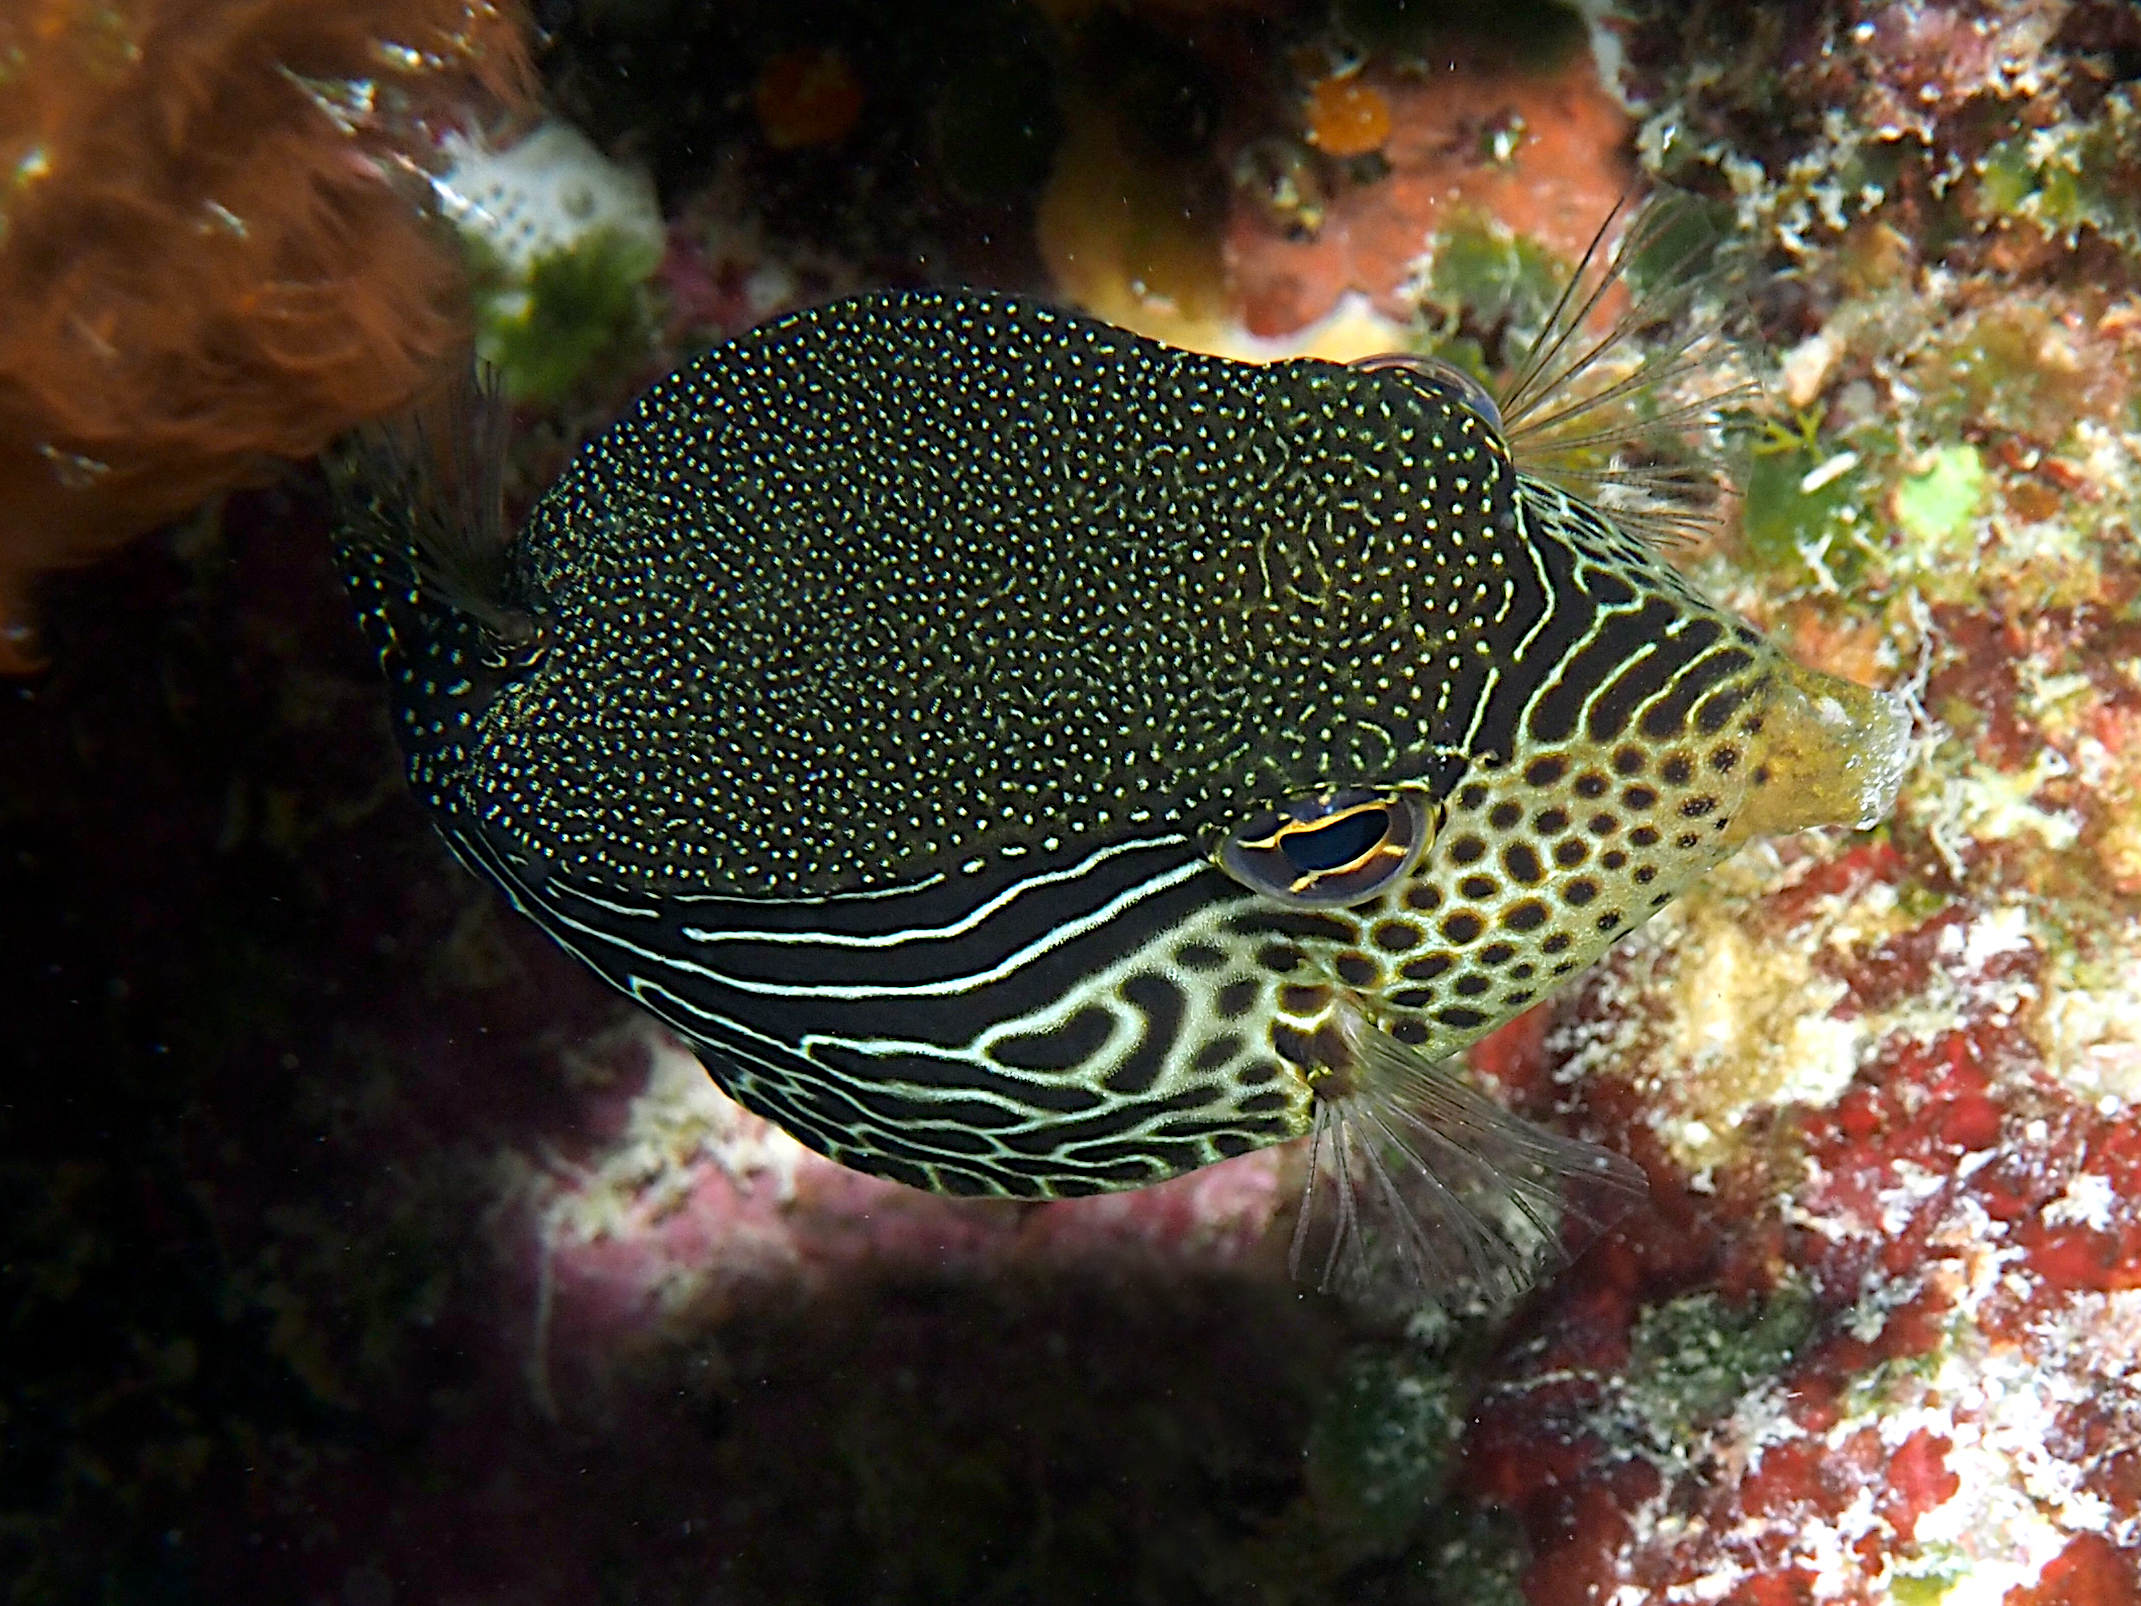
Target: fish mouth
1885,758
1830,752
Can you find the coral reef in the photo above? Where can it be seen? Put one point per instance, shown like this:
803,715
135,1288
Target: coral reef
206,258
1875,1343
1511,125
354,1249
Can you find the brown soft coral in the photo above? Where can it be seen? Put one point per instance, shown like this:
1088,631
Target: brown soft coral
205,261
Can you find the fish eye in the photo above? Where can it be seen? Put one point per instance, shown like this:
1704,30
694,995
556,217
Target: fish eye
1329,848
1438,378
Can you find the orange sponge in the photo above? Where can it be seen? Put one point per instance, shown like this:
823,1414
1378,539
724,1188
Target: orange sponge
212,247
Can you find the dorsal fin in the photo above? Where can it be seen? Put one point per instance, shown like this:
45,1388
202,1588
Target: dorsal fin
1604,412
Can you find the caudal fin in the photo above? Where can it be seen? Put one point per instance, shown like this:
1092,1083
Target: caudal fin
423,492
1423,1190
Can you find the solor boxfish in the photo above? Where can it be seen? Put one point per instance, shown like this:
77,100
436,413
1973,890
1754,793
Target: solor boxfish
1025,759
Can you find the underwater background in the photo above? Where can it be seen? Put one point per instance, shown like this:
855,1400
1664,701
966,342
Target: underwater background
358,1248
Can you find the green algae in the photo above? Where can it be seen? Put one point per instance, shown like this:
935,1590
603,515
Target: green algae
1692,1359
1483,275
2073,175
1939,504
1802,510
1922,1589
573,310
1381,1447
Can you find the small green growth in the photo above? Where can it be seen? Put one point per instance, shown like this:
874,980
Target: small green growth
1918,902
1869,170
1921,1589
2006,177
1939,504
1380,1449
1801,507
2072,175
1485,277
1692,1359
573,308
1872,1390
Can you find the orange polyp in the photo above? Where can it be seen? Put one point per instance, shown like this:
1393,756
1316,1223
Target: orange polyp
180,354
807,97
1347,117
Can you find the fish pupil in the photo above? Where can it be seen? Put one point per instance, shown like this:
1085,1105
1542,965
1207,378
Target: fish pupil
1341,842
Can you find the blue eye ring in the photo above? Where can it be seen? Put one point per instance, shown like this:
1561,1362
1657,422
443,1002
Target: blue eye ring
1439,378
1330,849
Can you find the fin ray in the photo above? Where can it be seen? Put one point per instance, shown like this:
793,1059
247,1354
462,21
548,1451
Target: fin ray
1588,411
427,486
1423,1187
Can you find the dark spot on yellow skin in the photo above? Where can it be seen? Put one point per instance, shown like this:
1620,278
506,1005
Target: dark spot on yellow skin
1527,916
1358,970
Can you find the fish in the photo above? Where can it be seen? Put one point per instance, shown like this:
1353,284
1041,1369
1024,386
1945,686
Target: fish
1024,759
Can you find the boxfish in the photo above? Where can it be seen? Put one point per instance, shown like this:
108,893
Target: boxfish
1024,759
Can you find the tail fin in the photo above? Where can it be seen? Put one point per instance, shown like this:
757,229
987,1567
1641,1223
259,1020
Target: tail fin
1423,1190
421,539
